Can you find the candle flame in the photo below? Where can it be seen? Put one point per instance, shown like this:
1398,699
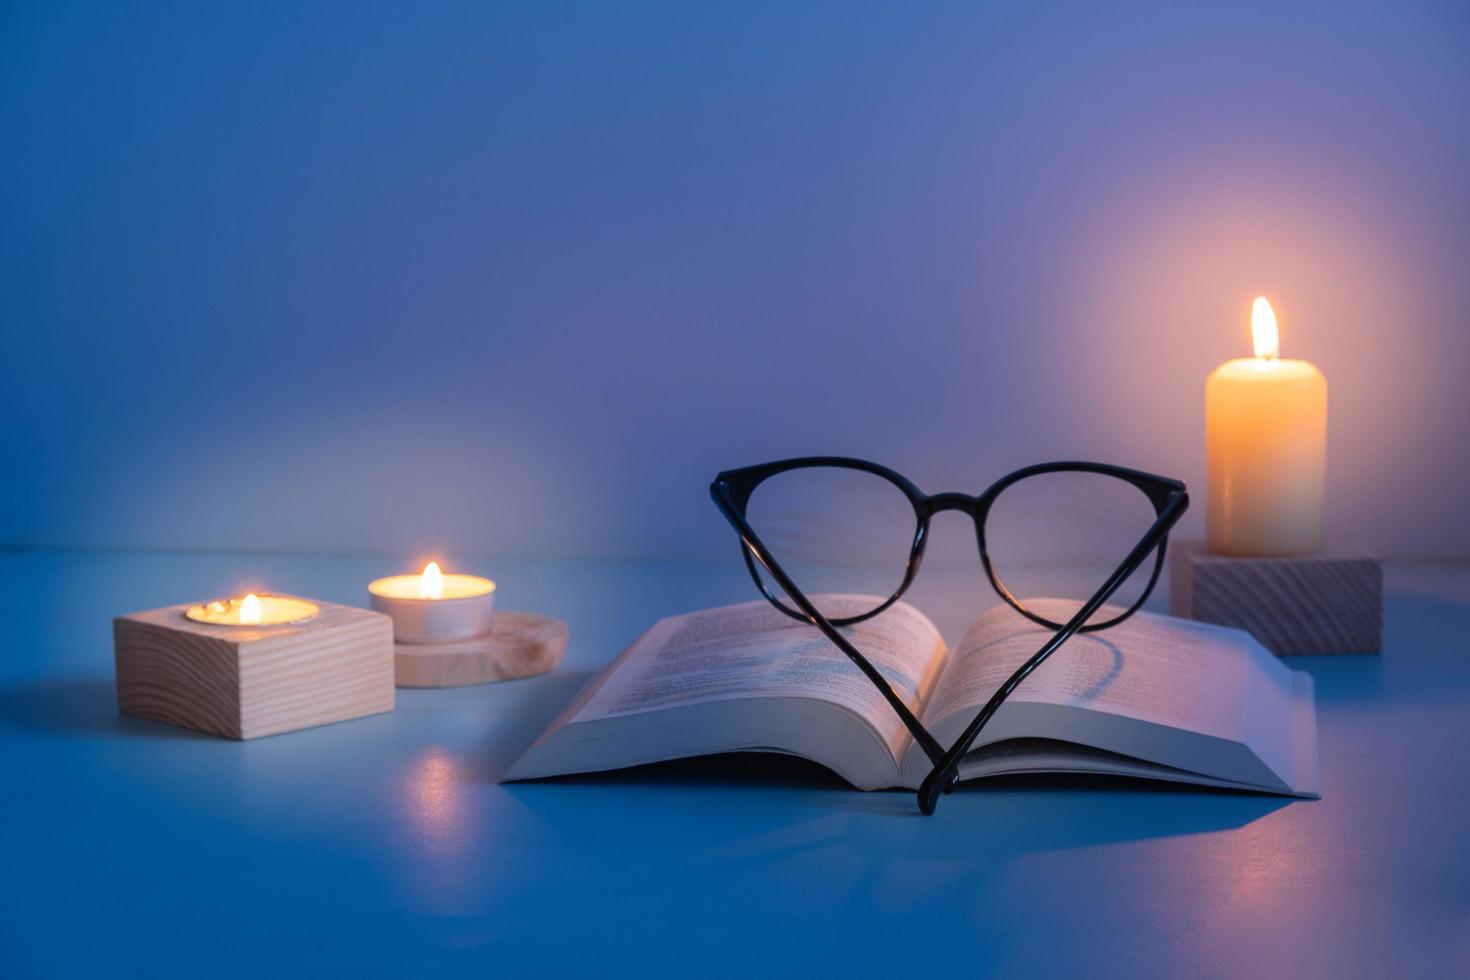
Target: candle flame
250,610
431,583
1263,329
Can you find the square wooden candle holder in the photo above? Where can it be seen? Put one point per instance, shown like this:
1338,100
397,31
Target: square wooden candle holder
248,681
1331,602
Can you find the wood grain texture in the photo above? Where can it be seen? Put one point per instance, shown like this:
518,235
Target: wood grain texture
1325,603
520,645
244,683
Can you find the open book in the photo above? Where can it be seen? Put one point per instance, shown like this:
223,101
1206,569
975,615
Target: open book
1154,697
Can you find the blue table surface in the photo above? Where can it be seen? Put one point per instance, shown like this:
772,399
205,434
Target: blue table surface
385,846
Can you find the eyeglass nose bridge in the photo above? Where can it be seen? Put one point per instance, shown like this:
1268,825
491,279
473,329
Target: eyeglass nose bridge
928,507
953,501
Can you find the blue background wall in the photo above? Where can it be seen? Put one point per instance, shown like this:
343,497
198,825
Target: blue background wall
520,279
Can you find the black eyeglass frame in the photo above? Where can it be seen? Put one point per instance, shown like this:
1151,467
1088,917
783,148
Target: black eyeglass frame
731,491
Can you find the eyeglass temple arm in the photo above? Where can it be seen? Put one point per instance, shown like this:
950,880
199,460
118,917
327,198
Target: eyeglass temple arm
931,748
940,779
748,539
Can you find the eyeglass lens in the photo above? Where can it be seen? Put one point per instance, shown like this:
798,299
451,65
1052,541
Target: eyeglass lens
1052,538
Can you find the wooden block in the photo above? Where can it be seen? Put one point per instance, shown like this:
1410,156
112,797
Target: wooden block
1330,602
519,645
245,682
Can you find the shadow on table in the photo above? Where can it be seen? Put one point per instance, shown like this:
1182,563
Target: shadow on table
76,706
736,770
1030,812
1013,813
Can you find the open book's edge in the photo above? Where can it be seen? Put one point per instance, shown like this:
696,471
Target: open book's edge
828,734
575,705
1103,755
1133,770
527,765
1307,774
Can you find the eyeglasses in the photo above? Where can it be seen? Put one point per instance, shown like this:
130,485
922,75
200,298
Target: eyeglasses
824,535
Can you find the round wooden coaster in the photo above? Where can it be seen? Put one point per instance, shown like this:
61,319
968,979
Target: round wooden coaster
519,645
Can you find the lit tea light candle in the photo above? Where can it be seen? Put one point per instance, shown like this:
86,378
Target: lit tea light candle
254,610
435,606
1265,450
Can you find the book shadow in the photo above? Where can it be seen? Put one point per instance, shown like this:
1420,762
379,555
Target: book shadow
1020,812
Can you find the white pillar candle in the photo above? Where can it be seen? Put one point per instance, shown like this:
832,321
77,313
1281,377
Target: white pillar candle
1266,450
435,607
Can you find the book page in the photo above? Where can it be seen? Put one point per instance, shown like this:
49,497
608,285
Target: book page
752,650
1172,673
